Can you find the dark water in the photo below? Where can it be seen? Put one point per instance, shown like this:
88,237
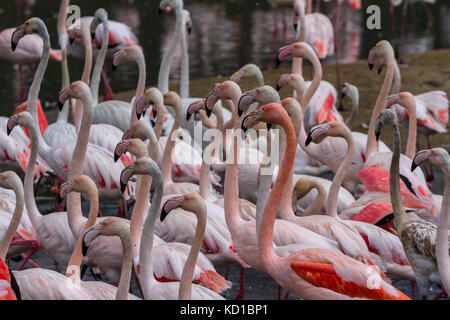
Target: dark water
226,35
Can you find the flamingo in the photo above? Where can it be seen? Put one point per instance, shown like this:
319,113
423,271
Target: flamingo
113,226
151,287
59,157
168,255
35,283
376,165
332,152
299,273
418,237
439,157
101,134
248,71
119,36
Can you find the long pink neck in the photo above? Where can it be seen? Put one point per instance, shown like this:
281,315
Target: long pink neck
286,212
410,105
372,144
265,242
333,193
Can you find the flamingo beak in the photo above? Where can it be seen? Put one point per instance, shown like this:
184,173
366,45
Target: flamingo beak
71,40
160,11
170,205
189,30
62,98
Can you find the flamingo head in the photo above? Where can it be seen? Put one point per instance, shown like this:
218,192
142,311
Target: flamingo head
188,20
262,95
380,55
77,90
400,98
31,26
81,184
271,113
249,70
348,90
130,53
194,108
318,133
189,202
111,226
437,156
386,118
172,98
135,146
128,135
225,90
100,16
299,50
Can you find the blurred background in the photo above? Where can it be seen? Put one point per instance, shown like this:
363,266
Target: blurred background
226,35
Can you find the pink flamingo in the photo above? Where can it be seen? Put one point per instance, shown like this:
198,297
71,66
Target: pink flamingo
153,289
35,283
300,273
431,113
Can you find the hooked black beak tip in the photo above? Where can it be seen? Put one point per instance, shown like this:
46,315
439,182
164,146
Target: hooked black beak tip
370,66
60,106
295,26
114,67
92,35
308,140
8,131
208,112
189,30
160,11
116,157
71,40
278,88
240,112
377,135
269,126
84,248
13,46
188,117
138,115
413,166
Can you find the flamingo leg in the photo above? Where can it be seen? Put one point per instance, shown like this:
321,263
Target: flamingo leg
392,16
241,292
283,11
109,95
34,247
442,294
318,6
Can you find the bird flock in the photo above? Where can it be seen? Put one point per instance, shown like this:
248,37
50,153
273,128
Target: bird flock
249,195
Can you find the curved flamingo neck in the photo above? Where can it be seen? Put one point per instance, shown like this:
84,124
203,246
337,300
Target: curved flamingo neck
372,144
318,73
333,193
15,221
286,212
189,266
442,257
265,242
148,232
400,216
316,205
95,81
159,118
397,82
163,77
170,145
77,256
